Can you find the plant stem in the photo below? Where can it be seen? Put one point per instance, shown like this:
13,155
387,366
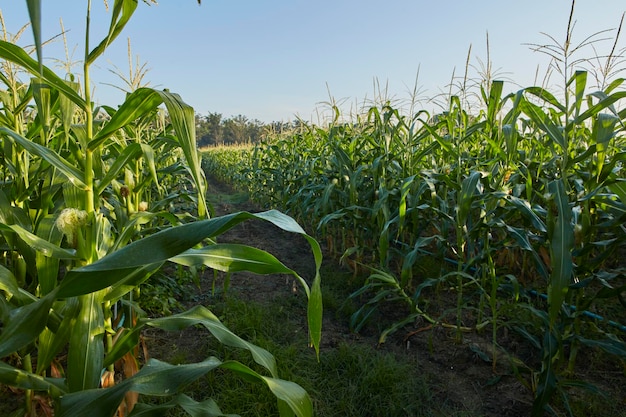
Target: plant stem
28,367
89,197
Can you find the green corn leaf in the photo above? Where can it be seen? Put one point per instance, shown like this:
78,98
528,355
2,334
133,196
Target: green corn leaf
405,188
289,392
19,378
520,237
159,378
171,242
411,318
198,315
561,244
314,313
155,249
542,120
81,282
619,189
233,258
206,408
599,106
9,285
145,100
94,402
603,131
511,138
202,316
611,345
526,210
47,266
128,282
68,108
49,343
546,96
580,78
17,55
547,384
43,96
184,122
137,104
24,325
34,14
511,117
38,244
531,338
466,196
75,176
494,102
127,340
121,14
130,153
315,305
613,85
139,218
86,349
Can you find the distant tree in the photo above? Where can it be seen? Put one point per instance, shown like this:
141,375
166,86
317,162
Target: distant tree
209,129
214,129
236,129
201,131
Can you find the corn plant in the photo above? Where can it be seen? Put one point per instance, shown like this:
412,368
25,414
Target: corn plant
86,217
521,197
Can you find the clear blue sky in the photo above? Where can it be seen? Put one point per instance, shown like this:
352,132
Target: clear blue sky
277,59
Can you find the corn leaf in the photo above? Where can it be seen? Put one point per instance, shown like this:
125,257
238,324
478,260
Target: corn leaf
47,266
121,14
74,175
94,402
287,391
561,244
547,384
159,378
599,106
86,349
603,131
184,122
526,210
580,78
200,315
50,343
157,248
542,120
17,55
130,153
137,104
38,244
24,324
19,378
546,96
34,14
206,408
233,258
466,195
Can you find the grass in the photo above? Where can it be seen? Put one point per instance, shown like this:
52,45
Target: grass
352,378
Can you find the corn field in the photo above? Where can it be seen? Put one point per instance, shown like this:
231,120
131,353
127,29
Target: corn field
520,202
93,202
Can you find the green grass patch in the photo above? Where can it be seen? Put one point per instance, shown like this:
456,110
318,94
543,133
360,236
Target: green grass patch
350,379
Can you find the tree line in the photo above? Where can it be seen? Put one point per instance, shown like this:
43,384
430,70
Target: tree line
214,129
